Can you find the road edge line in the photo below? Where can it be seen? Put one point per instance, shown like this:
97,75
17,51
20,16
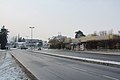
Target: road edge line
27,71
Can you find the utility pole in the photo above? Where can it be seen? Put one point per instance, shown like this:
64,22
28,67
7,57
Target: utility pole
31,35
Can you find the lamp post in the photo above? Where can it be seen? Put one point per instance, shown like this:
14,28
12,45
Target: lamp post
31,34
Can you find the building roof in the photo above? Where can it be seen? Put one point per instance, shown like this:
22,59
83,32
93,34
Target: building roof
75,40
97,38
91,38
33,40
67,40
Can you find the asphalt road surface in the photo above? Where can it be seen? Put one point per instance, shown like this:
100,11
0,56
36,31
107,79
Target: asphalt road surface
85,54
46,67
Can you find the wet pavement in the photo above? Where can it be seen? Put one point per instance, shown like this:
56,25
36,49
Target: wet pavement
46,67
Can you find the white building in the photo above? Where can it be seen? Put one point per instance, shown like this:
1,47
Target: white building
35,43
45,44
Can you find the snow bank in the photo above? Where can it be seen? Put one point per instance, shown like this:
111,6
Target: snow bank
9,70
1,50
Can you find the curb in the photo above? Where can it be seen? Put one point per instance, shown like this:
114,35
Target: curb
97,52
103,53
27,71
102,62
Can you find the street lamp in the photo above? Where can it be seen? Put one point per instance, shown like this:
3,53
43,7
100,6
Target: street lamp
31,34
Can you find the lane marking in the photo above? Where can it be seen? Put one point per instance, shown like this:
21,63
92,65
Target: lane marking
79,69
109,77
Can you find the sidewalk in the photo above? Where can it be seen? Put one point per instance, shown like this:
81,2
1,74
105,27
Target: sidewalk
109,56
101,52
91,60
109,52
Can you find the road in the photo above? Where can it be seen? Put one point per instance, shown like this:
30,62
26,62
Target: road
85,54
46,67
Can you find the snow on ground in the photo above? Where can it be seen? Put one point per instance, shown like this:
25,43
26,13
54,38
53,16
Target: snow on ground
1,50
10,70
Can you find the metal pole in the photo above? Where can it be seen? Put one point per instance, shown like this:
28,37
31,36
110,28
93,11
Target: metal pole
31,35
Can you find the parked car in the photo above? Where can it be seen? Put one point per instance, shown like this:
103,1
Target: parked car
23,47
39,48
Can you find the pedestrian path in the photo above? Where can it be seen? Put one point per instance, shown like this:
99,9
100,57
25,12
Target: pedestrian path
98,61
102,52
86,54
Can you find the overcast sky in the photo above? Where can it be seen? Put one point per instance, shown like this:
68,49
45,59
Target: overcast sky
52,16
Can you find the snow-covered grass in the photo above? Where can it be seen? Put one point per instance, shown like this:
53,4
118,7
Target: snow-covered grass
1,50
10,70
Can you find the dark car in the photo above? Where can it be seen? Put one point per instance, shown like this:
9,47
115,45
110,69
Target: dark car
39,48
24,48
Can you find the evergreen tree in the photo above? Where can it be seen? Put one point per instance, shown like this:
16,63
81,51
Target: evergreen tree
79,34
3,37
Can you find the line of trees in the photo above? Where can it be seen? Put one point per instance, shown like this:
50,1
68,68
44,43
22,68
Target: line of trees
3,37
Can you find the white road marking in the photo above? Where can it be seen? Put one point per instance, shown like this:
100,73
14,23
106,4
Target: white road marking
79,69
112,78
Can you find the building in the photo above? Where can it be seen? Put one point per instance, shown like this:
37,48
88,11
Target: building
44,44
67,43
75,44
93,42
34,43
101,42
